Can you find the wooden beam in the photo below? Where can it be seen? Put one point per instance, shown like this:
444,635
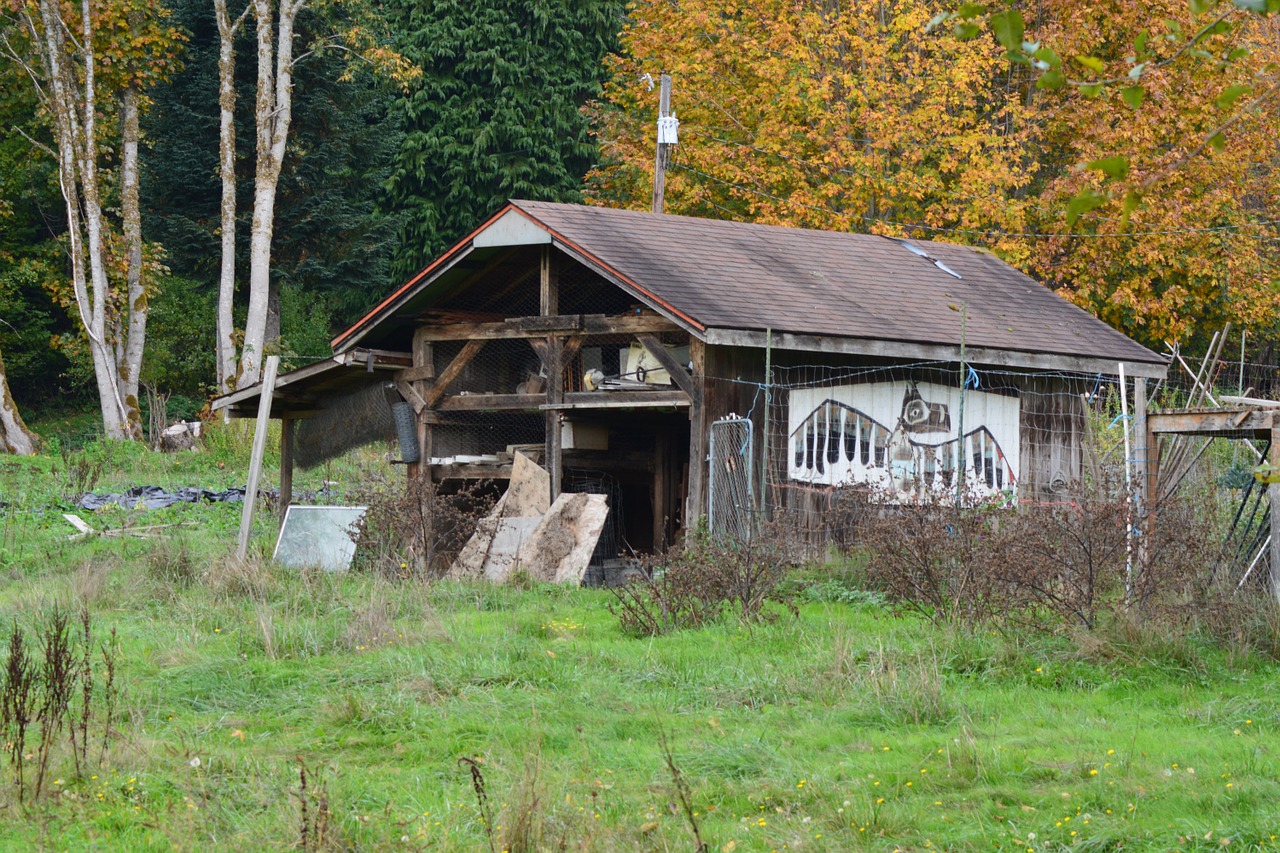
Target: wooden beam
1216,422
411,394
661,498
424,363
450,373
255,459
1273,502
492,402
416,373
562,324
548,284
1142,471
529,327
932,352
678,372
622,400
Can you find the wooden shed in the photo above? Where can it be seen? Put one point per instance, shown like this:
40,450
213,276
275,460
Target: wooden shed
623,345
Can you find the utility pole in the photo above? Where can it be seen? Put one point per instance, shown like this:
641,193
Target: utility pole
668,126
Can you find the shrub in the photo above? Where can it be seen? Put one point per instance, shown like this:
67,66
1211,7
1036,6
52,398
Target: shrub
699,582
1056,565
418,529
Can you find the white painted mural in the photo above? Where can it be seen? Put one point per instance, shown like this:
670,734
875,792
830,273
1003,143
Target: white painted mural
903,437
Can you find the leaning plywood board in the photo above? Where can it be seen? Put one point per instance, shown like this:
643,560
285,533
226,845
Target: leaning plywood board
529,493
559,549
491,551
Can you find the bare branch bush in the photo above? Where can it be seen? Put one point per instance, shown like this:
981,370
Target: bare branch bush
417,531
703,580
935,557
1053,566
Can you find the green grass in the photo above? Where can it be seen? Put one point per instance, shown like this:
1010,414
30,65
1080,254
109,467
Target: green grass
845,728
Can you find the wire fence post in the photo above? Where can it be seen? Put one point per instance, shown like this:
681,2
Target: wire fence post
768,401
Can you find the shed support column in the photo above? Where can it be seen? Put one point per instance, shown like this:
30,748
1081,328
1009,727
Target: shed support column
661,503
555,396
423,357
1273,498
696,501
549,303
286,465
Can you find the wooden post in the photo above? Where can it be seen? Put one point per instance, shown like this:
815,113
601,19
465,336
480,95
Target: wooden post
286,465
424,358
1273,499
661,504
549,299
663,148
696,501
548,285
259,448
555,395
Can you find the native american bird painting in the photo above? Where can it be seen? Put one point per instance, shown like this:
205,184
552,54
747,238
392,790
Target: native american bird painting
903,436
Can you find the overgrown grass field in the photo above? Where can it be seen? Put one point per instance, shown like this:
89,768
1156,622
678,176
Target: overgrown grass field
262,708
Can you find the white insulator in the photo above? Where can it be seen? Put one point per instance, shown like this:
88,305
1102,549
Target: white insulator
668,130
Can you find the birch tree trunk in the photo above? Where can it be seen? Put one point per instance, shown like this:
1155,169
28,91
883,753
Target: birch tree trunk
114,415
14,436
225,332
272,115
72,99
59,54
131,214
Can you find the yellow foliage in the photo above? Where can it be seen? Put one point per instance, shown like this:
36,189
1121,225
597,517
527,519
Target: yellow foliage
852,116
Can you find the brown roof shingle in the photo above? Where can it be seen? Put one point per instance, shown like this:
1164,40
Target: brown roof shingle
737,275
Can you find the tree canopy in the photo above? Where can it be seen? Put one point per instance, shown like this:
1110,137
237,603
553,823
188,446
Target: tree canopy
858,117
496,113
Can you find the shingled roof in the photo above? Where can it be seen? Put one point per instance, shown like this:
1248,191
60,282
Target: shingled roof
714,275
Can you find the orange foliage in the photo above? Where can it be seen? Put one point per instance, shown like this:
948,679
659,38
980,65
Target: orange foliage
820,114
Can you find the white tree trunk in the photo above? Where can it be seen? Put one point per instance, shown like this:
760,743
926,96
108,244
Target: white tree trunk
272,115
138,308
65,83
114,416
14,435
58,55
225,332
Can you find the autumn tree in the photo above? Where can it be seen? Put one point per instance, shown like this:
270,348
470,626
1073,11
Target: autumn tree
14,436
863,117
89,66
845,116
1163,201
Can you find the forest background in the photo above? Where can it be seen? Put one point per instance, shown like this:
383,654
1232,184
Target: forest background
1127,157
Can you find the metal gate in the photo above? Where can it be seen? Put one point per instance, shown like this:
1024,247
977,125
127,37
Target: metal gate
730,507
